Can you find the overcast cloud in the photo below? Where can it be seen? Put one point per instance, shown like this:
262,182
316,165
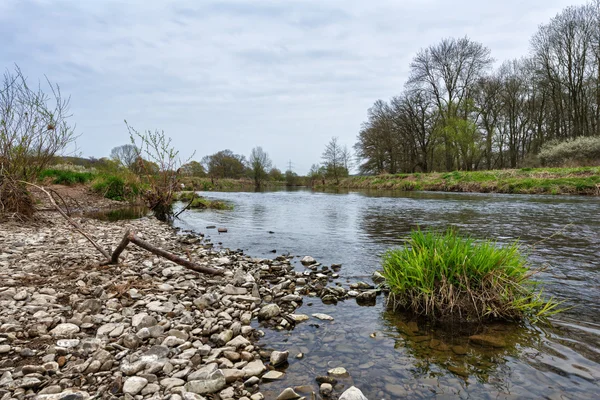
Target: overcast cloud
284,75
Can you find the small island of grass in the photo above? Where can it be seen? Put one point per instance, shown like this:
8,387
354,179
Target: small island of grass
445,276
199,202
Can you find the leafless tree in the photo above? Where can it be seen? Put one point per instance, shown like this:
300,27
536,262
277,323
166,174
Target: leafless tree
260,164
34,125
333,160
126,155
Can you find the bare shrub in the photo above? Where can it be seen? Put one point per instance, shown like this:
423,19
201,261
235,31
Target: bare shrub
34,127
576,152
158,162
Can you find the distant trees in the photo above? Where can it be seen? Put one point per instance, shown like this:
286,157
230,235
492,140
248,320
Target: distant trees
225,164
193,168
126,155
336,159
259,164
276,175
457,114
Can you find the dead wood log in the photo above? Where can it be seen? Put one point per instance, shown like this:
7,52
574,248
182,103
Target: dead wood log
77,227
130,237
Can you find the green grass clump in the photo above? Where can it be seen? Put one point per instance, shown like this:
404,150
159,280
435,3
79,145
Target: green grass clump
66,177
117,187
201,202
445,276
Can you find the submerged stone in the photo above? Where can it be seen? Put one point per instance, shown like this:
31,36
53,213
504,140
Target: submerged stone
488,340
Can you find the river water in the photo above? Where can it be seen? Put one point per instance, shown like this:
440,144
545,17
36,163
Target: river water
390,355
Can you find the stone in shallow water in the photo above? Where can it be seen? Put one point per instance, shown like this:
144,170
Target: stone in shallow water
459,350
269,311
323,317
488,340
337,371
288,394
299,317
308,260
353,393
279,357
458,371
273,375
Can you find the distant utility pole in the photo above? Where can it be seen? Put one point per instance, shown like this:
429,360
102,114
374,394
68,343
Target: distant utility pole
289,165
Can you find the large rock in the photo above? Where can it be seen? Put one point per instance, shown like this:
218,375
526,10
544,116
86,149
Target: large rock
214,382
353,393
269,311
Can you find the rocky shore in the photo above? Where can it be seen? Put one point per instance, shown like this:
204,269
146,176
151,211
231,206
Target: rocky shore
148,328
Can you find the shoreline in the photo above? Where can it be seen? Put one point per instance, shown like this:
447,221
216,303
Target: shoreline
146,327
550,181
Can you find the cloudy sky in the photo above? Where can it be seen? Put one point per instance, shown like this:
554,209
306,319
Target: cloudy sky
284,75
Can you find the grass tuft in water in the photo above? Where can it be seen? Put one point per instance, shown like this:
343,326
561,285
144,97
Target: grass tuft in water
199,202
446,277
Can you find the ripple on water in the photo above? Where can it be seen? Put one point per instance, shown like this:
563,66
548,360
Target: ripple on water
383,352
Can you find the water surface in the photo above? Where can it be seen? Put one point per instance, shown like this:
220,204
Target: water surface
389,355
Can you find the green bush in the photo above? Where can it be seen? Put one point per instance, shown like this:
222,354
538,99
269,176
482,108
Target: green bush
117,187
575,152
66,177
445,276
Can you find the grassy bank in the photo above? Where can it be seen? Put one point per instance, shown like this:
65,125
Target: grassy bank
206,184
582,181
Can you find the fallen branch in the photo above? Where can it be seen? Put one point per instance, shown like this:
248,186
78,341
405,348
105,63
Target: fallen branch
130,237
77,227
187,206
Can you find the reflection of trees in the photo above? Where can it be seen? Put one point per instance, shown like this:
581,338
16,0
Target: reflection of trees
448,347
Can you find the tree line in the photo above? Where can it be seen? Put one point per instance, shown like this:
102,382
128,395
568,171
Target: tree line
458,112
225,164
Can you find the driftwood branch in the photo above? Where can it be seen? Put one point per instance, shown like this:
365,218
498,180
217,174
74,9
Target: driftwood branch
129,237
77,227
187,206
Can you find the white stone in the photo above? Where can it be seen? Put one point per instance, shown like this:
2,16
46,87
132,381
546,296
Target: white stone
134,385
353,393
323,317
64,330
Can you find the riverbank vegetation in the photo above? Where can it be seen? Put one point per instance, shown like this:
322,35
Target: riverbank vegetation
200,202
580,181
446,276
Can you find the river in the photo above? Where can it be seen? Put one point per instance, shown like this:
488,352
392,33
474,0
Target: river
392,355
